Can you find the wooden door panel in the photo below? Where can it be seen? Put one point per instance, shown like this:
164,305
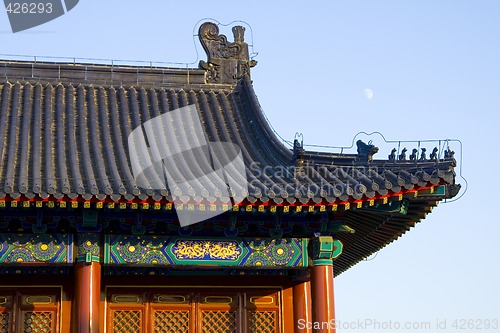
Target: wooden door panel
262,312
126,312
30,309
127,320
6,322
218,311
6,315
172,311
198,310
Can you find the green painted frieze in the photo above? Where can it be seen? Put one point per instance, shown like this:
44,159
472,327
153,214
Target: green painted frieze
139,250
36,248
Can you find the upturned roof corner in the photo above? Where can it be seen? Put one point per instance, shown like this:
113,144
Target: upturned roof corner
227,62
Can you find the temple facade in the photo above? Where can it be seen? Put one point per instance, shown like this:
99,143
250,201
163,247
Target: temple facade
146,199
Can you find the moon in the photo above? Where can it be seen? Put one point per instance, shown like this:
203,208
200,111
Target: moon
368,93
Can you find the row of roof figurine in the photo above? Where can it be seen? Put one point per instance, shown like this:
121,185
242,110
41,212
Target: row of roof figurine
366,152
423,157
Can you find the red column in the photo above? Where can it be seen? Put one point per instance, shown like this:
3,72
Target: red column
323,317
302,307
87,297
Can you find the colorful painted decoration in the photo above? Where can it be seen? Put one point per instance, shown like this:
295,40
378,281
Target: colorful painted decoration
88,246
238,252
206,250
36,248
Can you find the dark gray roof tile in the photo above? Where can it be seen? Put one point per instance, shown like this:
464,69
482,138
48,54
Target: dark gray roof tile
70,138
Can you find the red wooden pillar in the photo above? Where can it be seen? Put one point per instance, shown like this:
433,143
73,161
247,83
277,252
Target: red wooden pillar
302,307
324,250
87,285
323,295
87,297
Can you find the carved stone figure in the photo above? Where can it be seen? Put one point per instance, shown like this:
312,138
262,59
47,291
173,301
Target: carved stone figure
227,61
298,149
423,155
392,156
434,154
366,151
402,156
413,155
449,153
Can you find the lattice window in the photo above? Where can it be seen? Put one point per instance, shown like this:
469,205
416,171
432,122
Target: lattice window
262,322
127,321
4,322
171,321
218,321
38,322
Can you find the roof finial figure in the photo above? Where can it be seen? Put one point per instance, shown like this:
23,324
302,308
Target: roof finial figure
227,61
239,34
434,154
366,151
413,155
449,153
392,156
298,149
423,155
402,156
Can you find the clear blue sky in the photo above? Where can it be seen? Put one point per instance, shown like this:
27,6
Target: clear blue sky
435,72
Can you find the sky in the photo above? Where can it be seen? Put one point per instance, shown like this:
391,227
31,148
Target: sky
434,74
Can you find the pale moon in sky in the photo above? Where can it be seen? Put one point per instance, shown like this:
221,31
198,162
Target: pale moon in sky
368,93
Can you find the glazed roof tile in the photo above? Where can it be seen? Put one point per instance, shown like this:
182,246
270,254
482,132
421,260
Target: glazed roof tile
70,140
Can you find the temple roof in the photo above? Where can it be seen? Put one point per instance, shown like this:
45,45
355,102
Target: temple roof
65,128
69,139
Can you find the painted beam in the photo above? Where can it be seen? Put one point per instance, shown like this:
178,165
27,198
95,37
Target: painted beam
143,250
436,191
23,249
